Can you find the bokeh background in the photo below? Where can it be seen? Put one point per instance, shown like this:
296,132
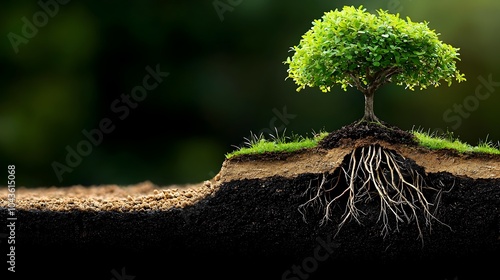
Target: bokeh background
226,79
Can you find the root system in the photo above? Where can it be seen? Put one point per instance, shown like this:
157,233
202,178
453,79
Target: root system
372,173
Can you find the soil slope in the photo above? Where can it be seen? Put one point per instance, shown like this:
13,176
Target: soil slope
246,222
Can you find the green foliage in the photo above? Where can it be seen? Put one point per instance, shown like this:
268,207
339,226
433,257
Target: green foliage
353,47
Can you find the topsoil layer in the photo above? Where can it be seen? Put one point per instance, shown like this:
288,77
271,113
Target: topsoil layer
245,222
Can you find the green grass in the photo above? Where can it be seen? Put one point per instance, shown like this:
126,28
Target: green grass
258,144
434,142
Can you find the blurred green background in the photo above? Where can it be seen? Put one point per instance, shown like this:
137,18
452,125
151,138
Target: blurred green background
64,64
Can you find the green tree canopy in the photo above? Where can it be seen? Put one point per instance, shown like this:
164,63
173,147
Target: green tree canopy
353,47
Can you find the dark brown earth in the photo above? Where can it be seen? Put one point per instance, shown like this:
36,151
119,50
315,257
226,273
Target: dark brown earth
245,223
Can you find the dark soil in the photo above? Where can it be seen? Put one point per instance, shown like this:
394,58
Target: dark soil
251,228
384,131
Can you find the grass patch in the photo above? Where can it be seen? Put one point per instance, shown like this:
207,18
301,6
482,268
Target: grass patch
258,144
448,141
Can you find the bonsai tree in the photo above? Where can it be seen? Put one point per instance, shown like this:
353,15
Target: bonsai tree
353,47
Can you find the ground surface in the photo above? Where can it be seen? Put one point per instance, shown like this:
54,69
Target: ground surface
245,221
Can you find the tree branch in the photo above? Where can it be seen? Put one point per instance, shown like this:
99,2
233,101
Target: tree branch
358,83
382,77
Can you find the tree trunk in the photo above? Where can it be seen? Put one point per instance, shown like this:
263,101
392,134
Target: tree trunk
369,113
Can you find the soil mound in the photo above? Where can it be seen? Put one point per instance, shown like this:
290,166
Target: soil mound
385,132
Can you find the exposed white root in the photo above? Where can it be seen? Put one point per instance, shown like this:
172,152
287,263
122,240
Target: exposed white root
375,173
